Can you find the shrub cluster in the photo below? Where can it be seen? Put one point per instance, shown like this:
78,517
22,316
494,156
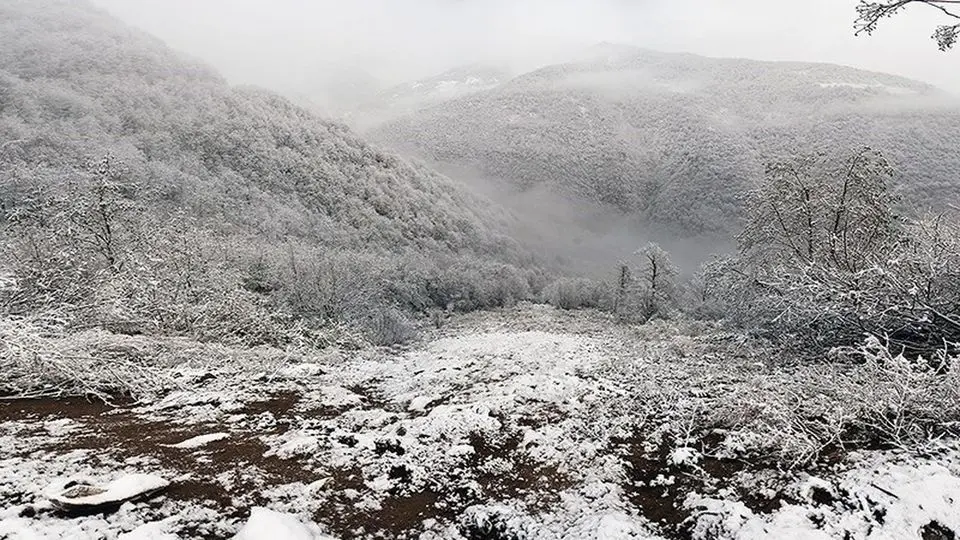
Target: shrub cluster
97,253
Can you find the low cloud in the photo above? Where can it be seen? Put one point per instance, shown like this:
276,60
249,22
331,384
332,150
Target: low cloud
286,43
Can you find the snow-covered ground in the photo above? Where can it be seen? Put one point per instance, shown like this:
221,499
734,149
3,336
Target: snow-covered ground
530,423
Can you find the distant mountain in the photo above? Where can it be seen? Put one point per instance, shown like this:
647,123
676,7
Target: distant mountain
676,138
76,85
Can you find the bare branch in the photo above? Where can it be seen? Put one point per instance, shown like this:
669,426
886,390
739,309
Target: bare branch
870,13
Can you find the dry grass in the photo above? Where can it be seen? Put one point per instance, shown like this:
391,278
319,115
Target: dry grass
39,358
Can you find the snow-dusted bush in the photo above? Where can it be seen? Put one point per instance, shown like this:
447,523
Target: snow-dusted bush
38,359
388,326
577,293
798,415
825,258
379,294
468,284
899,401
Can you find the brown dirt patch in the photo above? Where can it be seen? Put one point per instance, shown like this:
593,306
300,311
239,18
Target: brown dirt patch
121,434
73,408
658,488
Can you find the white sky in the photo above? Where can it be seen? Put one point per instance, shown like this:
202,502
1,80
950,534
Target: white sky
283,43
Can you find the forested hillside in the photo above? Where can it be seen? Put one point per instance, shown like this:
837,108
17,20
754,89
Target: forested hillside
121,161
77,85
223,317
675,137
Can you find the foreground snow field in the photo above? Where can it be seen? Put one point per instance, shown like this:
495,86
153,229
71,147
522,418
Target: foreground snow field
530,423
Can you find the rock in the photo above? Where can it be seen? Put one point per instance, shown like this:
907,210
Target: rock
84,496
936,531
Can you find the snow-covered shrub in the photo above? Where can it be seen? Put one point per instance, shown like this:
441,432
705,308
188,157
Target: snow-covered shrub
577,293
468,284
388,326
61,241
717,291
825,258
799,414
38,359
324,286
899,401
99,260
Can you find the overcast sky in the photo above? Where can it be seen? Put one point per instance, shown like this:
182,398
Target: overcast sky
286,42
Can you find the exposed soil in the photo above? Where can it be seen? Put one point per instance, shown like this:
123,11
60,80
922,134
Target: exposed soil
118,431
122,434
658,488
43,409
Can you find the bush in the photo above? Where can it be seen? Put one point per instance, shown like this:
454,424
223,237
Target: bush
885,401
825,259
388,326
39,360
578,293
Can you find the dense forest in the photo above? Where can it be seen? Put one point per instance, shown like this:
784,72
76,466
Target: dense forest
250,192
674,138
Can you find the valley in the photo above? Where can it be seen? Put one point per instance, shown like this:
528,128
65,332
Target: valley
614,293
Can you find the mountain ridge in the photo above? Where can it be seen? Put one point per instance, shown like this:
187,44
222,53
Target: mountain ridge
75,84
675,138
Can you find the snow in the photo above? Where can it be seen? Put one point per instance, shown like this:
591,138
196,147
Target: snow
684,456
8,280
476,409
61,427
293,444
199,441
894,90
149,531
266,524
888,498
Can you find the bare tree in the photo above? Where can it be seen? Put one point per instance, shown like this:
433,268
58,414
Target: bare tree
869,15
821,209
97,211
650,284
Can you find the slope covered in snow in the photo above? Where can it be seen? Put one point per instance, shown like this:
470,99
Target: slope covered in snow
528,424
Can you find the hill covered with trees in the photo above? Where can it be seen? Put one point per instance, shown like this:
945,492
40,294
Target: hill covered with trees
674,138
139,184
76,84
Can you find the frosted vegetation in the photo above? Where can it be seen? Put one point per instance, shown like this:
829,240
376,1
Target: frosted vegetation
300,331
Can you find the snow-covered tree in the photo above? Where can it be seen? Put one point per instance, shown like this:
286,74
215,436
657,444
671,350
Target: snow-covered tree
825,259
822,209
648,284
